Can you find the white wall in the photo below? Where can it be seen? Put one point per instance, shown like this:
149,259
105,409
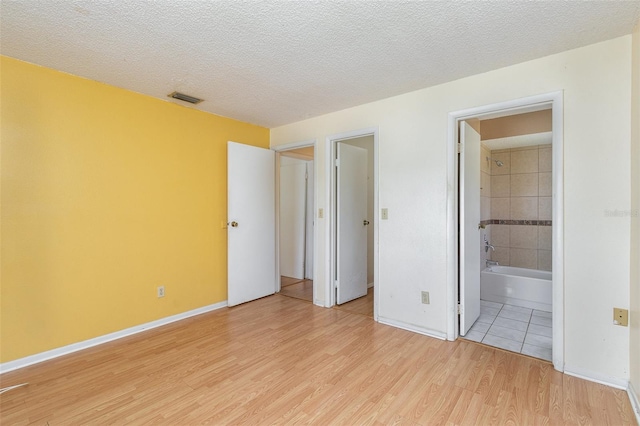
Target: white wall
596,81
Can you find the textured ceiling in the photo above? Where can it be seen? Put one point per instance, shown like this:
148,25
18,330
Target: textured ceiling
275,62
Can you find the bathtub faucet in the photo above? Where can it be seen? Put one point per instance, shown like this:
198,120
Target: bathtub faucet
491,263
488,246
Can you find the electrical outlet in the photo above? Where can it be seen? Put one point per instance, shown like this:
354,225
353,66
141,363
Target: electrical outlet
425,297
320,213
621,317
161,291
384,214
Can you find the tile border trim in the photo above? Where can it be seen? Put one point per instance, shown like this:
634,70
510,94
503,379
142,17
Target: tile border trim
515,222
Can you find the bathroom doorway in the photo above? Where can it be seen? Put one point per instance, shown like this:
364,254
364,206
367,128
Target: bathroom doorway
509,206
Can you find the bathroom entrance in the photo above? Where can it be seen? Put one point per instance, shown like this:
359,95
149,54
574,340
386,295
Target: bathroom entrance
506,188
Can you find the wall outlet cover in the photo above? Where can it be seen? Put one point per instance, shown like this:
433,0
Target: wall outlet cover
621,317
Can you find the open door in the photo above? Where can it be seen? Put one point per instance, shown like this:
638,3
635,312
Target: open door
251,230
351,250
293,203
469,227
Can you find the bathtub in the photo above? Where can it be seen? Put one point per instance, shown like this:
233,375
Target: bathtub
528,288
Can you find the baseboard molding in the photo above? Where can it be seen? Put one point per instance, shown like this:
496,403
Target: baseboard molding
369,285
75,347
581,373
413,328
635,402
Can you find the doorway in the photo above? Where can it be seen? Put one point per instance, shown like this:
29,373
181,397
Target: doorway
475,249
296,222
506,250
352,184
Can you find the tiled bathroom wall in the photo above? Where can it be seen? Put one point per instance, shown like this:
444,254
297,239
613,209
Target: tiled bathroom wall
485,201
516,204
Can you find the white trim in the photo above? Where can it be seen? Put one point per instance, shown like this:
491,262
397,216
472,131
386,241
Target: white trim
635,402
287,147
517,106
557,238
581,373
413,328
332,140
295,145
75,347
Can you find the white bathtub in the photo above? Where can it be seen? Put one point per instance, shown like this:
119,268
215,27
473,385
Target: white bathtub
528,288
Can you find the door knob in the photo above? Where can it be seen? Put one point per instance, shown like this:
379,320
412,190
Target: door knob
365,222
234,224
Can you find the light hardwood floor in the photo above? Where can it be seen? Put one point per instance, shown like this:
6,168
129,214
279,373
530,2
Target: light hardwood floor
296,288
279,360
362,306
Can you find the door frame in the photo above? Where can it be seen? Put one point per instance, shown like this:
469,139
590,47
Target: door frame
331,195
528,104
288,147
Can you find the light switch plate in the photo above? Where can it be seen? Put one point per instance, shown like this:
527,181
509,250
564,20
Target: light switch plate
384,214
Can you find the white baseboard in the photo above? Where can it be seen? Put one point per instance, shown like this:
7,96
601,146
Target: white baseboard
635,402
413,328
74,347
581,373
370,285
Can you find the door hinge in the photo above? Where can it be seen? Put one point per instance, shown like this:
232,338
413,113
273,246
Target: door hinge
337,162
459,148
459,309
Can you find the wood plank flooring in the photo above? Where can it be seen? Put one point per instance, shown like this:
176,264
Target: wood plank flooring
280,361
362,306
299,289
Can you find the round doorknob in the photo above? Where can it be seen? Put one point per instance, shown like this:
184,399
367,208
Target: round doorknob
234,224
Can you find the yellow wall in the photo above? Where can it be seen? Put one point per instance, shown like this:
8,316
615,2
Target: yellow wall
106,194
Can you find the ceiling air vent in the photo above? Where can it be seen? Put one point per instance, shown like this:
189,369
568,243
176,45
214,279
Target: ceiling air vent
185,98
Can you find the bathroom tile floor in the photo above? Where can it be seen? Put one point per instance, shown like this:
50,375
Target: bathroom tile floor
516,329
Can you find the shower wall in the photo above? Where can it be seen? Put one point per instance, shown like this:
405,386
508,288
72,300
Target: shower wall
516,205
485,201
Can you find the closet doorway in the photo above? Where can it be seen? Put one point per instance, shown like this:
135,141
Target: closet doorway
296,222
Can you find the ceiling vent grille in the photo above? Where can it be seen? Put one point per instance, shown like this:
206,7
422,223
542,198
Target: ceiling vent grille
185,98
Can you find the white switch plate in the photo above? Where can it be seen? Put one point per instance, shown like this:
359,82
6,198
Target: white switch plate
320,213
425,297
384,214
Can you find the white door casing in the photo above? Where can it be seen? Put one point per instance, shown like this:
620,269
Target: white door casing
251,264
469,227
351,213
309,241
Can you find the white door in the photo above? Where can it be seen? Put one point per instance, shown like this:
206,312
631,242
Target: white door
352,223
292,216
469,227
251,231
